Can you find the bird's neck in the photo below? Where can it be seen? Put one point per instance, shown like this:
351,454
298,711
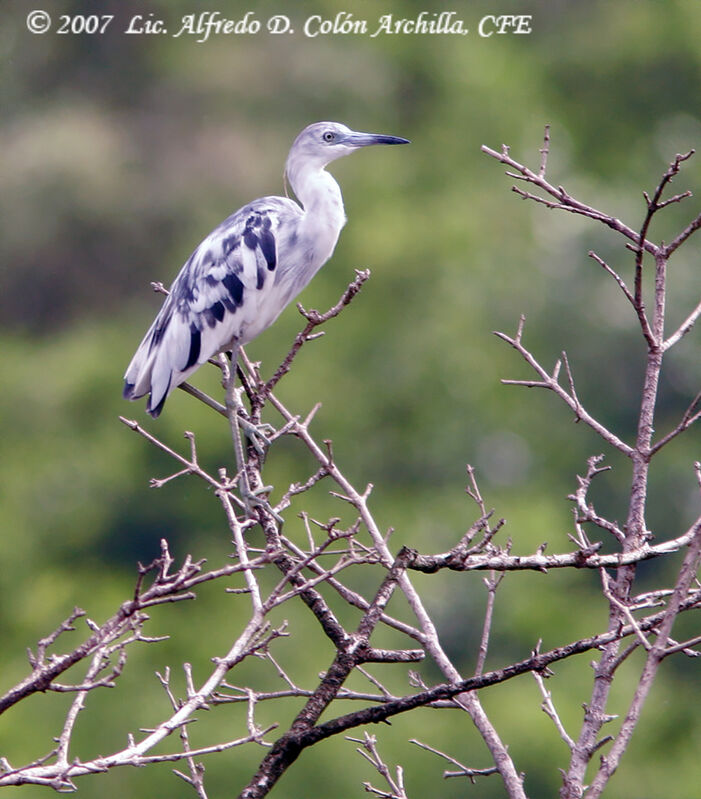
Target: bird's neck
324,215
319,195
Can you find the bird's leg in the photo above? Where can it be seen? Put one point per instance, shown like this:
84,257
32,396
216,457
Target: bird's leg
257,434
233,404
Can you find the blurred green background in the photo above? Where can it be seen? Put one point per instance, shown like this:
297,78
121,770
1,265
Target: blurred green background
119,153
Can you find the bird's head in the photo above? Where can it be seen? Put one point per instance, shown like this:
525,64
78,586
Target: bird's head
323,142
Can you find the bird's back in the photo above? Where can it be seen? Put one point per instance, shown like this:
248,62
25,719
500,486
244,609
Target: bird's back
233,286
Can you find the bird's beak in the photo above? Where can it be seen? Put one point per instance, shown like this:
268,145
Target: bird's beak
354,139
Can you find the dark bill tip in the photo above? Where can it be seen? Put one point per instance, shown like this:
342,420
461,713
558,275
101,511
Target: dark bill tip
366,139
391,140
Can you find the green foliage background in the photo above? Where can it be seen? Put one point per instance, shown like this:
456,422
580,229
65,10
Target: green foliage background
119,153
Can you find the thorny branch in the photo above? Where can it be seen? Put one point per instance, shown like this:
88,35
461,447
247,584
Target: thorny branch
314,320
463,771
308,565
633,536
368,749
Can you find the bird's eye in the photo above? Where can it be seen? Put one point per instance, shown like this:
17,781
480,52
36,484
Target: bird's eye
329,136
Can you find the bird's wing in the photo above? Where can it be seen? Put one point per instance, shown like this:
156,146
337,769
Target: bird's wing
212,300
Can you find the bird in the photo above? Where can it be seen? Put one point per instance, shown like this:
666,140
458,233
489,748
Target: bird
249,268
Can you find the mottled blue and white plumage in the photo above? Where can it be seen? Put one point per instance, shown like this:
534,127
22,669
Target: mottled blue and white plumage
240,278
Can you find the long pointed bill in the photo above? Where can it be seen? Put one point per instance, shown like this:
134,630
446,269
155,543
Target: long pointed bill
354,139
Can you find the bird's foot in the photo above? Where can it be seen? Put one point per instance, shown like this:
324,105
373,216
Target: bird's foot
255,498
257,434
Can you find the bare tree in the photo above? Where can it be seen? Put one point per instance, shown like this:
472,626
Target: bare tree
312,570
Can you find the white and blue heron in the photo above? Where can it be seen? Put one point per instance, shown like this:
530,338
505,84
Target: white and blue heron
240,278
